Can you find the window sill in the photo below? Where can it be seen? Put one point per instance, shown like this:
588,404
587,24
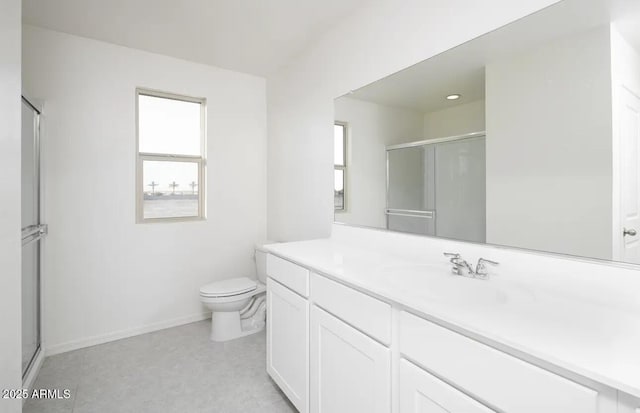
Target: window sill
170,220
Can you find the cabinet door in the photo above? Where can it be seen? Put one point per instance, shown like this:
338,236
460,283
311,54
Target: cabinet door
420,392
288,342
350,372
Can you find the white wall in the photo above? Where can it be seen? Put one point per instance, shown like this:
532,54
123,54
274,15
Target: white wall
549,168
374,42
457,120
10,263
106,276
371,128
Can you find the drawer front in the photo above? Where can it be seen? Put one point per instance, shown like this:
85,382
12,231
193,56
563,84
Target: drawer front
366,313
501,380
420,392
289,274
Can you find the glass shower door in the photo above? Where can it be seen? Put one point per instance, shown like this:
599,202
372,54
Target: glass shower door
461,189
410,190
32,233
438,188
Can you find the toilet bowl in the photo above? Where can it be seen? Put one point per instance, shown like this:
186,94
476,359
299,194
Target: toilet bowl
238,305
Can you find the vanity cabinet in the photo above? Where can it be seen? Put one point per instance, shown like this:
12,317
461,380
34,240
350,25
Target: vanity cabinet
288,331
350,372
421,392
333,348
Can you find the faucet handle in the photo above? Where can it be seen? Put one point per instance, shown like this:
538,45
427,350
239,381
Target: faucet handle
486,261
481,267
454,257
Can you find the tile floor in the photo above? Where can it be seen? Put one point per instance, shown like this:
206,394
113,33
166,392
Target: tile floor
173,370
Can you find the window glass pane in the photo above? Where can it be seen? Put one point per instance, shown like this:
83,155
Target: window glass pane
338,189
338,145
170,189
168,126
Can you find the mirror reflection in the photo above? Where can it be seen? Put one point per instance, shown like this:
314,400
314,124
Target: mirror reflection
528,136
437,187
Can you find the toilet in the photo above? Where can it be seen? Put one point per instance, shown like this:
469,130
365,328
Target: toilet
238,305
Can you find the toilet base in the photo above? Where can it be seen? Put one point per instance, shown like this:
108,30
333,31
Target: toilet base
227,326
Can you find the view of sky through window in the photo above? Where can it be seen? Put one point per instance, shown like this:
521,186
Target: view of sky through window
170,144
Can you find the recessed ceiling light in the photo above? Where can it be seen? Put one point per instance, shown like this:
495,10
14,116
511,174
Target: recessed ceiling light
455,96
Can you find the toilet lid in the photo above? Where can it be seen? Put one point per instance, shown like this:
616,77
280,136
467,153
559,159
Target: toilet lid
231,286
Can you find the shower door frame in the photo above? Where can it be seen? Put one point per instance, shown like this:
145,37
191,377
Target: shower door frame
36,235
417,144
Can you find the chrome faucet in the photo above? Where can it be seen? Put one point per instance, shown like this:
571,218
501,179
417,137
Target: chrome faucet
459,265
463,268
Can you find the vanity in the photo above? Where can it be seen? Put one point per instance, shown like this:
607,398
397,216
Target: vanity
522,140
369,321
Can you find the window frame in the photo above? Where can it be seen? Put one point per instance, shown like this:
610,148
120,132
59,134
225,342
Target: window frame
343,168
164,157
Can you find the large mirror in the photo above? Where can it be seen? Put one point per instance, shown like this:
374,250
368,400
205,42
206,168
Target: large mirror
528,136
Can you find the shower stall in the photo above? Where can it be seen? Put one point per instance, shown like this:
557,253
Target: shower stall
437,187
33,232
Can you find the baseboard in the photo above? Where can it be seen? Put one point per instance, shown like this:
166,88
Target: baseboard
27,382
105,338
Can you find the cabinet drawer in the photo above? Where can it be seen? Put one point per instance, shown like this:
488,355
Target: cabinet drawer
366,313
420,392
291,275
487,374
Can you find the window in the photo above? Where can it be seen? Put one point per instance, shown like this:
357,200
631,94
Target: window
171,163
340,165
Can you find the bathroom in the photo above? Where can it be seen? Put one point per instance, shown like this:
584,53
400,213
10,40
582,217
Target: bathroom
289,100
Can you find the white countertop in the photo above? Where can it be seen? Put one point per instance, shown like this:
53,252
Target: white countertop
587,337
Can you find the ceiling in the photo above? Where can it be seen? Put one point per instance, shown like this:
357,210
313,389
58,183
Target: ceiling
424,86
249,36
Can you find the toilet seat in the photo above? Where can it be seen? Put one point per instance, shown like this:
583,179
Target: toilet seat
229,287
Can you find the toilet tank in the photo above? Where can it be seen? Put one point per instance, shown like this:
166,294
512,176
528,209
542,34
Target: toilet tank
261,261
